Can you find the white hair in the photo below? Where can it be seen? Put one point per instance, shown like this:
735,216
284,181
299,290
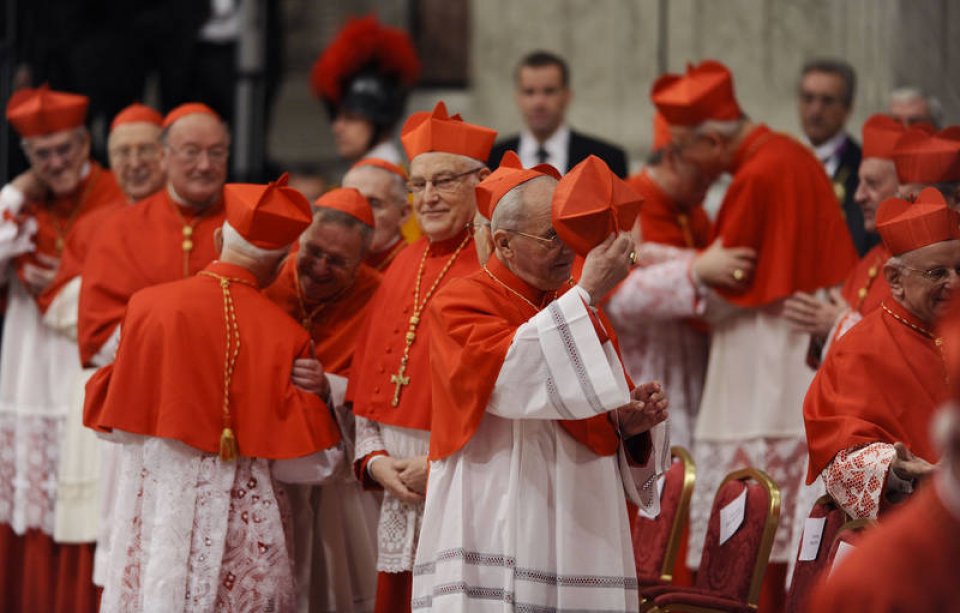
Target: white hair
234,241
509,210
727,128
398,187
910,93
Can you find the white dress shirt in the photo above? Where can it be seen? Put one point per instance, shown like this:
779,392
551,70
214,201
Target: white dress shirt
557,148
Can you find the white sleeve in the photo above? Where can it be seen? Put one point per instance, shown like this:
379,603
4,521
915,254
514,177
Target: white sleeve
63,312
556,367
15,239
665,290
368,436
640,480
313,469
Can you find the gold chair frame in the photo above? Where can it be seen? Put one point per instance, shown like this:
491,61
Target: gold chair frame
683,511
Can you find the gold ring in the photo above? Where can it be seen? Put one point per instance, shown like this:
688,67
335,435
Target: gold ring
738,274
632,257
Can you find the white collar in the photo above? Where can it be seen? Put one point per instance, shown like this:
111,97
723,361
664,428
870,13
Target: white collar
556,146
829,148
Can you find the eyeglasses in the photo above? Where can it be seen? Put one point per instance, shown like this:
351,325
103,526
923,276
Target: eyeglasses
937,274
191,153
43,155
550,240
444,185
143,151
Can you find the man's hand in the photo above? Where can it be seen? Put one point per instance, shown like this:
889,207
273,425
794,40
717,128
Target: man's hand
308,375
413,473
908,466
30,186
719,266
813,316
606,265
646,409
386,472
38,278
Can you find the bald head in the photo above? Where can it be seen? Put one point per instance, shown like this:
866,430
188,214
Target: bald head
387,193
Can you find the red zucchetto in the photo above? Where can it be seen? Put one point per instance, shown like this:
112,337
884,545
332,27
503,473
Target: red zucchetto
347,200
137,113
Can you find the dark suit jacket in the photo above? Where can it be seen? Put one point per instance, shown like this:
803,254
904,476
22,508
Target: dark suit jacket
579,148
845,181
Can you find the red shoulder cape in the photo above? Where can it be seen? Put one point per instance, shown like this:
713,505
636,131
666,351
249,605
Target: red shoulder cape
137,247
882,382
473,323
868,275
781,204
167,380
58,219
335,326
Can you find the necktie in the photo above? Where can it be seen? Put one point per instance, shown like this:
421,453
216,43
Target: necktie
542,155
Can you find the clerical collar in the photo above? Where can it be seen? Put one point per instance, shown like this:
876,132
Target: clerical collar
448,245
898,312
512,282
556,147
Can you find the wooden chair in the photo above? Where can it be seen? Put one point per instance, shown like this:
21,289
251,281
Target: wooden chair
657,541
730,574
806,573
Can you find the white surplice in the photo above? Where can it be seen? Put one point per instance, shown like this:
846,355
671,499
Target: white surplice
524,516
191,532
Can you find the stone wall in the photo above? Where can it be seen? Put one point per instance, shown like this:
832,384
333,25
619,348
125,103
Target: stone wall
616,48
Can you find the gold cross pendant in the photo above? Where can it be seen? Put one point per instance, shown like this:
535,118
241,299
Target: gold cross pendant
399,380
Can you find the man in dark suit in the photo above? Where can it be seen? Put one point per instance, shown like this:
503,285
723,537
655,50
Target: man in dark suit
825,98
542,81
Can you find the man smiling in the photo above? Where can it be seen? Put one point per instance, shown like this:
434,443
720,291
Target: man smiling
390,381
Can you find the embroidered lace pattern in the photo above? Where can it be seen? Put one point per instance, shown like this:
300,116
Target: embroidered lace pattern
29,464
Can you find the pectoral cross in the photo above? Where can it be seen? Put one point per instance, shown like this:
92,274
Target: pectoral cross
399,380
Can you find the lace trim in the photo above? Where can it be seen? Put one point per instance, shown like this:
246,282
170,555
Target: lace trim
29,465
855,478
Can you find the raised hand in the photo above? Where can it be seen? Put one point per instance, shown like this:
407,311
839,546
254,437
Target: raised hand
606,265
647,408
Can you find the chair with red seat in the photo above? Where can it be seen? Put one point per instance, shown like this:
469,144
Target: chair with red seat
847,537
807,572
731,573
656,541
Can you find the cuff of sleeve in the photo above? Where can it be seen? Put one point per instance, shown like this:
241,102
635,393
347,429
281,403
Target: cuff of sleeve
361,468
11,199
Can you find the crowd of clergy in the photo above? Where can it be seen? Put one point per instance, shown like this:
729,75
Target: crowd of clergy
453,382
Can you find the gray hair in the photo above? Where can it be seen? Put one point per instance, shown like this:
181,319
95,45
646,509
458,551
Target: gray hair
509,212
837,67
398,187
727,128
910,93
234,241
346,220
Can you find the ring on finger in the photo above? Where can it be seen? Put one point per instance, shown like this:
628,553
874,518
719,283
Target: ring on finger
738,274
632,257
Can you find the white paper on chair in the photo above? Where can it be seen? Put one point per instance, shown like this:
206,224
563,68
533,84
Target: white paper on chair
843,550
731,516
812,535
660,481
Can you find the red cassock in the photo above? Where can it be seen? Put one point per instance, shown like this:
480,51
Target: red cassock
473,321
908,563
167,379
382,260
139,246
866,286
882,382
58,219
662,221
335,326
781,204
381,347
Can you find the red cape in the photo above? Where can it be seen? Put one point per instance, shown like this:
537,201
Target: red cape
881,382
336,326
378,354
58,218
167,380
868,275
661,221
473,323
781,204
137,247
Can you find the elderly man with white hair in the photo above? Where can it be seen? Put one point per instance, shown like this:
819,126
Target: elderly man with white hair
199,522
536,433
384,185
